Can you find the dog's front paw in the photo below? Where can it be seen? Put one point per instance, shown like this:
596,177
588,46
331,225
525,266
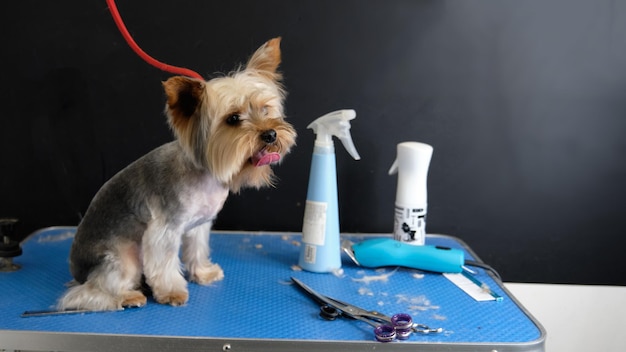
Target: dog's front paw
207,274
175,298
133,299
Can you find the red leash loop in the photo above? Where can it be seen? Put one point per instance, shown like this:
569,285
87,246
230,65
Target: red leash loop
142,54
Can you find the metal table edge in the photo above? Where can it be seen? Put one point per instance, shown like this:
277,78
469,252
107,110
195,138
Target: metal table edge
57,341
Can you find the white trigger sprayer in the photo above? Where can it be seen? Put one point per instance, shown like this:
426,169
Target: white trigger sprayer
411,165
321,251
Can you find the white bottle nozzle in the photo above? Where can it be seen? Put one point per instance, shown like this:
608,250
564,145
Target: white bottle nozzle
411,164
336,123
413,157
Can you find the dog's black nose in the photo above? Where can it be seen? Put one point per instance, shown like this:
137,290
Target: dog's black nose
268,136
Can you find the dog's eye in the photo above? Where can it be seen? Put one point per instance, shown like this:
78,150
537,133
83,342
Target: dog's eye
233,119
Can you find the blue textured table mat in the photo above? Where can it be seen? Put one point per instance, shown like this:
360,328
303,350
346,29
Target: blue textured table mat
257,301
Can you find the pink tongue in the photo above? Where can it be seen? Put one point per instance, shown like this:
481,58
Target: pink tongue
266,159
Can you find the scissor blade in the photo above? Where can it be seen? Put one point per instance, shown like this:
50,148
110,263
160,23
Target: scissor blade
321,299
348,310
44,313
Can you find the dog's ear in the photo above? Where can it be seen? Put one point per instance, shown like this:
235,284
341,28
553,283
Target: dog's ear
184,97
266,59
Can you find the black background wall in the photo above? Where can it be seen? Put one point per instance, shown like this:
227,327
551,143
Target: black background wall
524,103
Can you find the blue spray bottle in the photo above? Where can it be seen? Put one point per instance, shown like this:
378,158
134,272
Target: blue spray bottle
320,251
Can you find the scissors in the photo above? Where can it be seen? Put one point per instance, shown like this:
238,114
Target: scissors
386,329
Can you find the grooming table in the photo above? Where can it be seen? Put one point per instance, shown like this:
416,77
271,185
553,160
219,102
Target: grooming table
257,308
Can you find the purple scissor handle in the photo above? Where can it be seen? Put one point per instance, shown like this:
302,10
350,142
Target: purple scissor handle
386,329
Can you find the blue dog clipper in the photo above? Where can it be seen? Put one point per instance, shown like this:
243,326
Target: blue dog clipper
380,252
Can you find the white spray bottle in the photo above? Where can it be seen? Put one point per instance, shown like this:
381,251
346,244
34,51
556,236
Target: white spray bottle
411,164
320,251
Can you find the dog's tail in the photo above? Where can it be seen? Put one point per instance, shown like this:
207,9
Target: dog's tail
88,296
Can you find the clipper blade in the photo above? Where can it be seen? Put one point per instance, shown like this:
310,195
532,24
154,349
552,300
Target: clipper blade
346,246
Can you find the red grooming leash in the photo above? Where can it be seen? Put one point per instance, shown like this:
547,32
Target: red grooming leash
142,54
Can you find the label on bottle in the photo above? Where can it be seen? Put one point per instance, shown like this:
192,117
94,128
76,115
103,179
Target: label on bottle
314,223
410,225
310,253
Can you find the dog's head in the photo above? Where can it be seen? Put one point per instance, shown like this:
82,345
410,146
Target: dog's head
234,125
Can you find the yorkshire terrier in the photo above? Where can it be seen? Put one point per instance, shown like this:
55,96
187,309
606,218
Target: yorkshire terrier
229,131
